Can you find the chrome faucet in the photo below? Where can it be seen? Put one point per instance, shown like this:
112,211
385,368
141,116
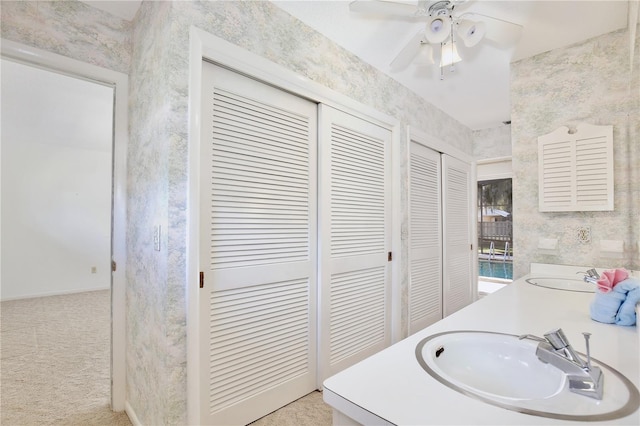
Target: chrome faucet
590,276
556,350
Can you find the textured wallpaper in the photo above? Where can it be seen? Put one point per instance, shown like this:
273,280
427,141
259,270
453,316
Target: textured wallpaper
158,158
492,143
587,82
71,29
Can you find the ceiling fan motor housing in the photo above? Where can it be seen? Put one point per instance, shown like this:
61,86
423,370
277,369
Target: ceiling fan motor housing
439,8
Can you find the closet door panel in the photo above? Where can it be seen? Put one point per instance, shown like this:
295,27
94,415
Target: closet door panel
458,252
355,239
258,239
425,238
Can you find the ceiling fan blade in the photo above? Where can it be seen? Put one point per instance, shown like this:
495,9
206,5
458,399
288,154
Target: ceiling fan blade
382,7
462,4
503,33
408,52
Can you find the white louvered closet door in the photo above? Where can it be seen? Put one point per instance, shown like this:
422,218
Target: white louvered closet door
458,286
355,210
425,238
258,239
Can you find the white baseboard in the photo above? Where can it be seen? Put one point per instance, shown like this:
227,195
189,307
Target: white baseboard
132,414
54,293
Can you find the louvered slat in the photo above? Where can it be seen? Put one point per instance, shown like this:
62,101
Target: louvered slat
456,215
260,182
425,238
591,171
243,362
426,289
457,207
357,312
458,292
557,174
425,201
357,188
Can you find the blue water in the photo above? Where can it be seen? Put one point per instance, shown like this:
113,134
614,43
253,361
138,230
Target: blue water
497,269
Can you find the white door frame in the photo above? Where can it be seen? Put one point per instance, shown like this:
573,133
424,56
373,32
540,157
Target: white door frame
120,82
494,168
203,45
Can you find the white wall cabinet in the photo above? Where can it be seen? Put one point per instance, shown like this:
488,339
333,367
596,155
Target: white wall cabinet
575,169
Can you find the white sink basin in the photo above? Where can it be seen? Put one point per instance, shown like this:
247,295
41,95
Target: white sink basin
493,365
504,371
559,283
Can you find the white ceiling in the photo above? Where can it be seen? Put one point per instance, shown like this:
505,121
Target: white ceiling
477,93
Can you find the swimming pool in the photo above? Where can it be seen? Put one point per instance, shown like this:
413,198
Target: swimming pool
494,269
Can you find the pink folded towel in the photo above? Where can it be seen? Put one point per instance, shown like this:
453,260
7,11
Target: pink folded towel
610,278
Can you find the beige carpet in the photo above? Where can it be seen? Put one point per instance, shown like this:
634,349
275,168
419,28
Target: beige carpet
54,361
309,410
54,366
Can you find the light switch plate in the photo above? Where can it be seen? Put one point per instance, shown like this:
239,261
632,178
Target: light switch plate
156,237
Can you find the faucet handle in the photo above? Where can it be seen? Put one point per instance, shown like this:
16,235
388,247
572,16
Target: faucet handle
560,343
593,273
590,276
531,337
557,339
586,341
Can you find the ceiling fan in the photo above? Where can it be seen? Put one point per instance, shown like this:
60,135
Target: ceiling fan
445,27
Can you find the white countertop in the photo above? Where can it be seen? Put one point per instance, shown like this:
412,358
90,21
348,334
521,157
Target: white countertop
392,388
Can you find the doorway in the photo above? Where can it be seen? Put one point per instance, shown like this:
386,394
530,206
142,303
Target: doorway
116,84
495,235
495,227
57,143
56,183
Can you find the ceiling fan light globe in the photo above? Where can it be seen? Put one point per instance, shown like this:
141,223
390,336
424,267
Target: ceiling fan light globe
471,32
436,25
449,55
437,29
425,55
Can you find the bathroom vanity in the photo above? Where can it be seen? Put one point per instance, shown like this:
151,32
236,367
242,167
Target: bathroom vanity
394,388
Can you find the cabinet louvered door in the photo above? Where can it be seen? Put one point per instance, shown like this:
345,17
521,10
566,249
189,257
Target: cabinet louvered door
557,175
355,233
575,169
258,242
425,238
458,285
